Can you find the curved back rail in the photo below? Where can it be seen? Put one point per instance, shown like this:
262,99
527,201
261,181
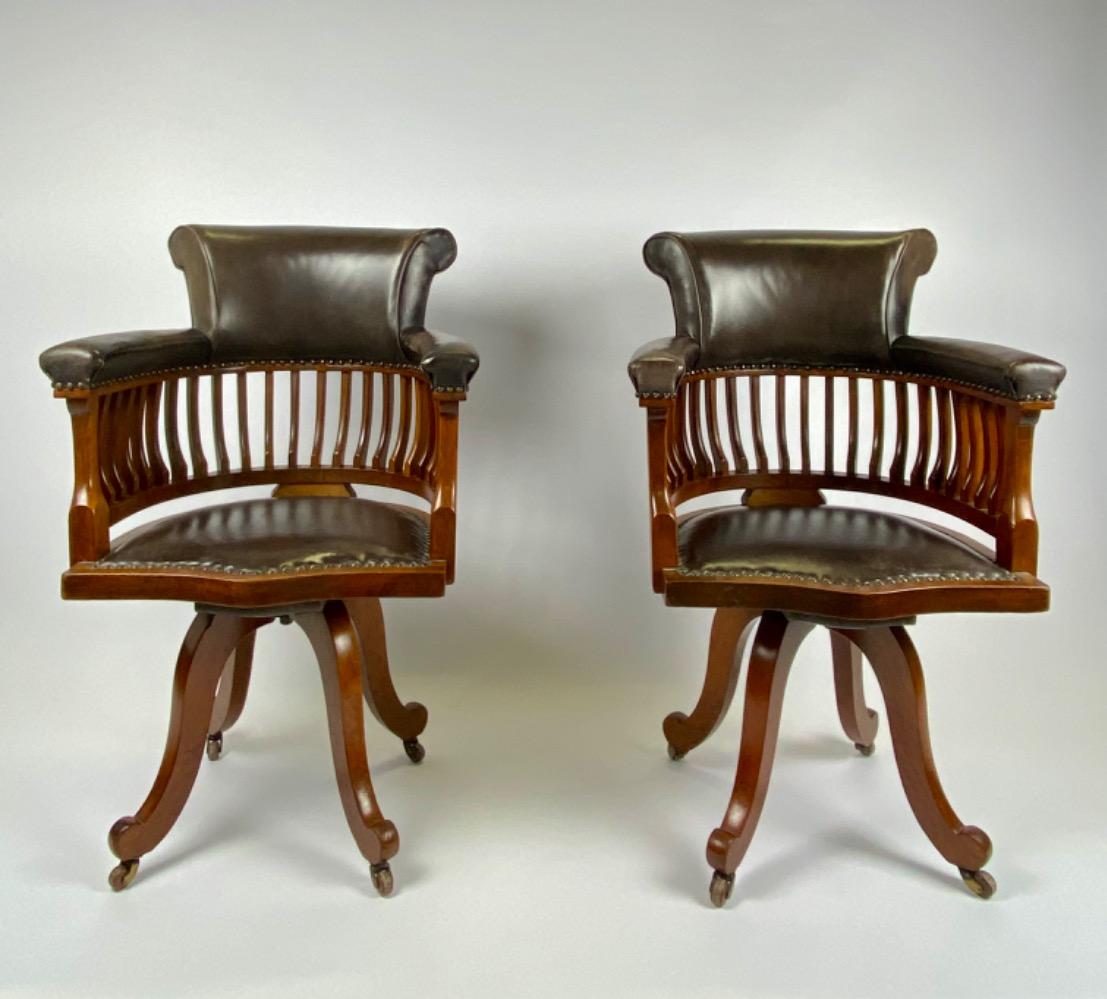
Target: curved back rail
954,448
144,441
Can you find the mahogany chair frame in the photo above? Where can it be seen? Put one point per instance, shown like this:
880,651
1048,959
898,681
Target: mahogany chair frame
957,448
133,448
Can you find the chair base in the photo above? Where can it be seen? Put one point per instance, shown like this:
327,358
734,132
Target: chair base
899,673
209,692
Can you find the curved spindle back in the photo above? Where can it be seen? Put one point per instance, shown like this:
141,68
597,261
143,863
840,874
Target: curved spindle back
283,424
940,445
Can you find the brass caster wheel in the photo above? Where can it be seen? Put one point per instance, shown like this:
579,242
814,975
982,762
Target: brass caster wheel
215,746
980,883
382,879
721,887
674,753
414,749
122,875
865,750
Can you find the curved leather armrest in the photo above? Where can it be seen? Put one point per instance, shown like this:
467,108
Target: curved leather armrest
1005,370
448,361
93,360
657,367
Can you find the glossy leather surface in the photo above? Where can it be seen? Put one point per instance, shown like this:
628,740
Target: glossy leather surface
93,360
296,534
289,293
791,297
448,361
826,544
657,367
1005,370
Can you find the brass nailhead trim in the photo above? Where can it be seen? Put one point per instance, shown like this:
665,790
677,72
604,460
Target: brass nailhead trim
1029,397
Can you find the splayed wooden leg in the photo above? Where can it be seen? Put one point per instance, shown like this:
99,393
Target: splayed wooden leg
207,645
859,721
774,648
337,647
407,721
230,698
899,672
729,632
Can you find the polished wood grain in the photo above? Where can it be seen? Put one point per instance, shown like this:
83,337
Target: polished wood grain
899,672
335,641
230,697
858,720
208,644
729,631
407,721
774,647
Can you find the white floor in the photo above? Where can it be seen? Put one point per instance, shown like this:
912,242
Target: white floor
549,847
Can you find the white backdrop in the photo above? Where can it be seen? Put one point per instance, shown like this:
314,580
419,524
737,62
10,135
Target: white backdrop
549,846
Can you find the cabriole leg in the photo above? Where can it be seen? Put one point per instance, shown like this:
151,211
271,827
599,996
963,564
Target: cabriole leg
899,672
730,629
774,648
859,721
335,641
230,698
208,643
407,721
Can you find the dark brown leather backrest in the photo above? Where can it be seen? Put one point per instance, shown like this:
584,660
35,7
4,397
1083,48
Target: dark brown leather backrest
791,297
301,294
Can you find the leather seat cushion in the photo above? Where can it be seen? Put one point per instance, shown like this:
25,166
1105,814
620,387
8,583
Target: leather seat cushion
292,534
826,544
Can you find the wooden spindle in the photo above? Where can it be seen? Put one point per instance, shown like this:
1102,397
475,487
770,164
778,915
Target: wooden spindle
178,469
922,459
962,446
414,463
270,406
338,459
384,435
975,477
243,422
718,456
876,456
139,460
222,460
195,444
695,429
940,472
741,464
854,421
828,425
362,449
983,498
805,430
782,424
320,418
760,455
294,418
403,432
897,470
159,470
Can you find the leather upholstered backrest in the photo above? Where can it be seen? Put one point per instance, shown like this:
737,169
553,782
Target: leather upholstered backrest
302,294
791,297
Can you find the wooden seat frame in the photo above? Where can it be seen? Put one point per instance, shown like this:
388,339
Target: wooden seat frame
956,448
140,442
